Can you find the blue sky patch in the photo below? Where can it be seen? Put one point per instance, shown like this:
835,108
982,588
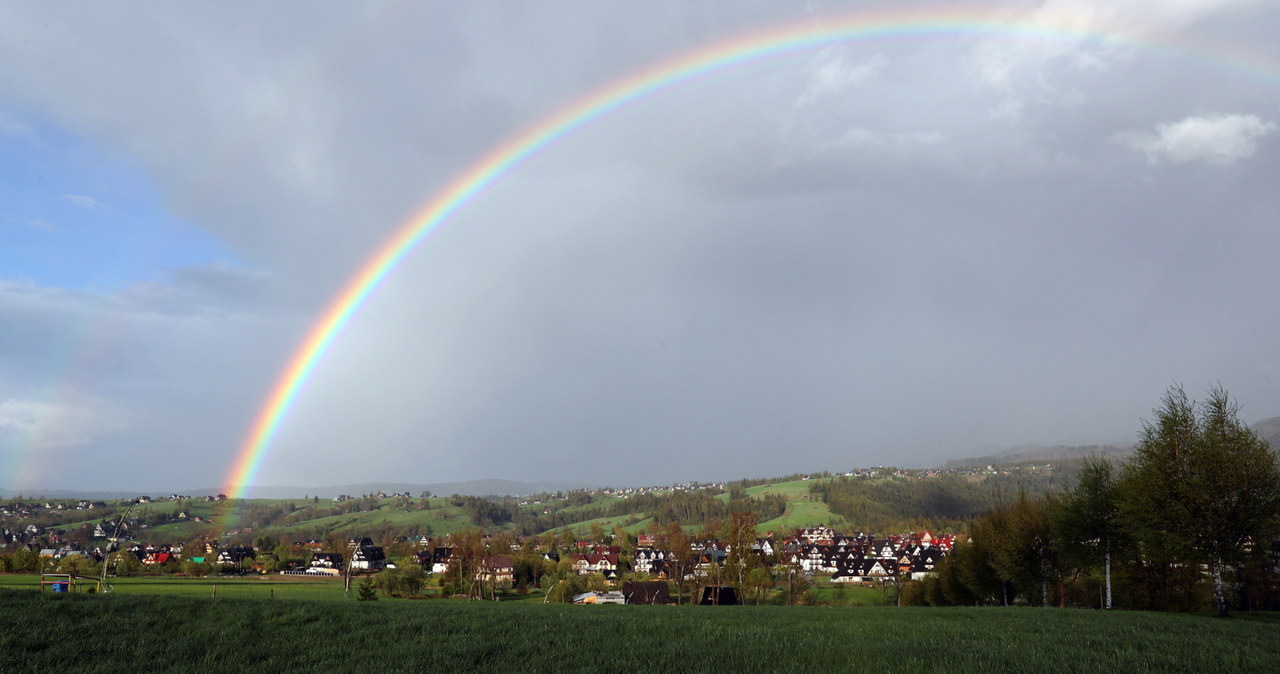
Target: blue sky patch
78,216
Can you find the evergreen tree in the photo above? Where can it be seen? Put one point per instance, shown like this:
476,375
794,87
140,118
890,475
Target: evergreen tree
365,591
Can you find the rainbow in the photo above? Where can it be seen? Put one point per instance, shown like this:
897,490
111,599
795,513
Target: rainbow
690,66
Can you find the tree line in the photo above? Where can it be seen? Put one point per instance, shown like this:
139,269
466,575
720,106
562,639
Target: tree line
1188,522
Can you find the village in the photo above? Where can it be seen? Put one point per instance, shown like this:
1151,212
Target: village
184,535
609,568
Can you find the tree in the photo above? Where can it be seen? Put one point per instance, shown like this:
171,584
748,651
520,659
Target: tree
566,541
365,590
1021,540
683,561
795,579
123,563
265,543
741,558
468,554
1202,479
80,565
389,581
1087,522
25,559
759,582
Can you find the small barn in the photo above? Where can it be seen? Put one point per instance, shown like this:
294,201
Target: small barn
646,592
719,596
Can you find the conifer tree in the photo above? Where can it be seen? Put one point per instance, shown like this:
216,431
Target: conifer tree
365,591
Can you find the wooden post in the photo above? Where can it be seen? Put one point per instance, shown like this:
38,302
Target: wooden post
215,591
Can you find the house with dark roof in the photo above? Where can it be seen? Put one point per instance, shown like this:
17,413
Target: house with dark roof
369,558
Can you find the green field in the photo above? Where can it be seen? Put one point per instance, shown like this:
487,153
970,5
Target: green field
44,632
275,586
244,587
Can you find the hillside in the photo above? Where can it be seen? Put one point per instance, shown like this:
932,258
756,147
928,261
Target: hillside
1269,429
876,501
1026,454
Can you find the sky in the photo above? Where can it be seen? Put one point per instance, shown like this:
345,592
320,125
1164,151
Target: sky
887,250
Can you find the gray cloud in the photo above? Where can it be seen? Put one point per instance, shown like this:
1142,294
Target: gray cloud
824,259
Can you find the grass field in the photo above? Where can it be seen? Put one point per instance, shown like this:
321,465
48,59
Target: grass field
331,589
243,587
98,633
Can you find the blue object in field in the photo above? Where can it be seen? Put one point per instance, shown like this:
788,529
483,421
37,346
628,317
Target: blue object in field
60,587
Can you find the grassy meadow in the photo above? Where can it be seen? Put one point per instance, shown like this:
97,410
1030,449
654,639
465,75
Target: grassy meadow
42,632
275,586
241,587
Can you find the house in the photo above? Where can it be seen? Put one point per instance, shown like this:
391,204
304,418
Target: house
237,554
820,534
157,558
441,558
764,546
423,557
359,542
645,560
497,570
326,560
612,597
369,558
587,563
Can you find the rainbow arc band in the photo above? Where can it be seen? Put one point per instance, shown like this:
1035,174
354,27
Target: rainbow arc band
929,23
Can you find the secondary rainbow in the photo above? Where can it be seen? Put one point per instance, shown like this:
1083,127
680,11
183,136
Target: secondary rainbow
522,146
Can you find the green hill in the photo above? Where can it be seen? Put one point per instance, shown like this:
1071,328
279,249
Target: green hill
883,500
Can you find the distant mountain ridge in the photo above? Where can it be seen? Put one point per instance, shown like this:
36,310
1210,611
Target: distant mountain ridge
467,488
1037,453
1269,429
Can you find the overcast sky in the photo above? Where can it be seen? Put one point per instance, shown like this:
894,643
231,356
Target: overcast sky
887,251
